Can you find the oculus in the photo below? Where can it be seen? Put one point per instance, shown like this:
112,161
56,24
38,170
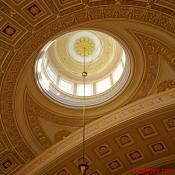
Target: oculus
59,68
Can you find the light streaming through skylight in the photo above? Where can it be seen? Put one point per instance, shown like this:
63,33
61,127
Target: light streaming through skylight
51,74
39,65
61,80
123,57
65,86
88,90
117,73
45,82
103,85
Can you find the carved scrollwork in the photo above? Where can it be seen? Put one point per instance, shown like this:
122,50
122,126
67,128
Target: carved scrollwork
60,135
166,85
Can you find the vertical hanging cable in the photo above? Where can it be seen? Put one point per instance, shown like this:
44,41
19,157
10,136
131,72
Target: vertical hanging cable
83,166
84,106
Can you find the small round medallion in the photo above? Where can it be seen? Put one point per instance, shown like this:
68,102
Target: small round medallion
84,46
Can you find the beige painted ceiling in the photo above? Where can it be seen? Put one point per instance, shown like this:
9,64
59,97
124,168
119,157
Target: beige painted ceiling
68,66
135,129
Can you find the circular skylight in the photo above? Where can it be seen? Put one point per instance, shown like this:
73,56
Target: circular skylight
59,68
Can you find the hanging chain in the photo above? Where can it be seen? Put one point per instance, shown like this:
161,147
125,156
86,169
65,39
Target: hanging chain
84,74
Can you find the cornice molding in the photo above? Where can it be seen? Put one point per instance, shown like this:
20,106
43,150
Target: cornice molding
133,111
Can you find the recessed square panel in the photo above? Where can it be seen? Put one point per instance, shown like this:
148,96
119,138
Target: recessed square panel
114,165
12,32
9,30
124,140
34,10
158,147
8,163
103,150
169,123
135,156
63,171
148,131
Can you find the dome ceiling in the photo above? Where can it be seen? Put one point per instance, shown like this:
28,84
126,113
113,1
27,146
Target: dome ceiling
60,65
69,53
35,131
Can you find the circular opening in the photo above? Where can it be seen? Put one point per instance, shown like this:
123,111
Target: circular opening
60,64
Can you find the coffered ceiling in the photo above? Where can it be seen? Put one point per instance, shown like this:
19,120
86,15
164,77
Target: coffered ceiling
134,129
